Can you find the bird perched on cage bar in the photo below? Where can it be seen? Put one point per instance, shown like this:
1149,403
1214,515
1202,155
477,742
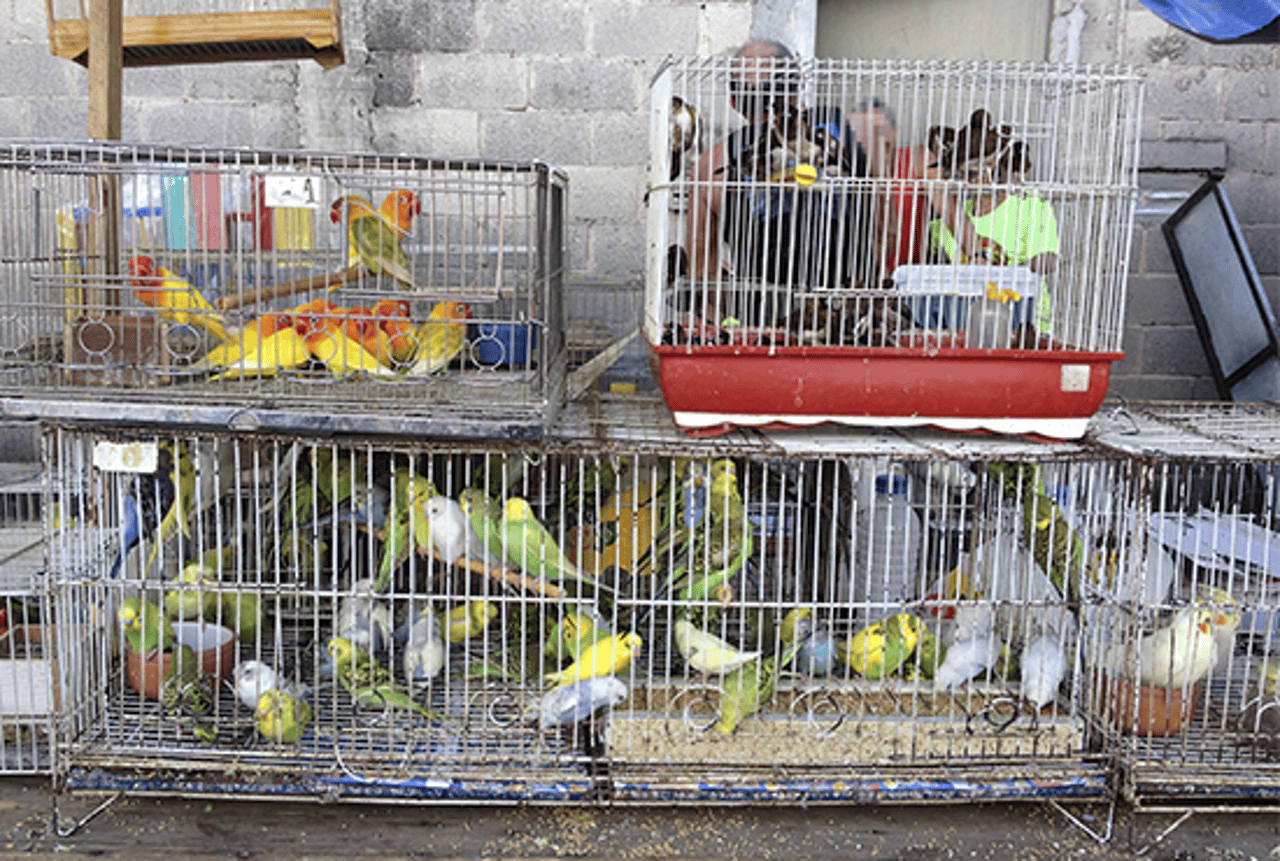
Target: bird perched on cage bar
173,298
377,235
1181,653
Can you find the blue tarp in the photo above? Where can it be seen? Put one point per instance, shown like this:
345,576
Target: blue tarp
1217,19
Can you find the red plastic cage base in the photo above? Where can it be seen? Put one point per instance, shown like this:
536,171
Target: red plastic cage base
714,389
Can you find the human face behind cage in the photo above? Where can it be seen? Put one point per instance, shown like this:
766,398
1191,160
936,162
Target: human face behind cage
760,86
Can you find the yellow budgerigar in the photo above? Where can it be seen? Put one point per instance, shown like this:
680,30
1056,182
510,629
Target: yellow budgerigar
605,658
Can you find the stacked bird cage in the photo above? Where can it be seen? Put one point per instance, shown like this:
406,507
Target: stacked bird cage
26,675
1185,682
716,602
165,32
889,242
385,294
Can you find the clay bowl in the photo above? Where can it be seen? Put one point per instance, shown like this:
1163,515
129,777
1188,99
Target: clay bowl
1151,711
214,645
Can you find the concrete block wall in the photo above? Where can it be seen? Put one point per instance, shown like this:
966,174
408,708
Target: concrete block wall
564,81
1208,107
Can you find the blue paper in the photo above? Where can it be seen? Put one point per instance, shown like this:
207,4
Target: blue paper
1217,19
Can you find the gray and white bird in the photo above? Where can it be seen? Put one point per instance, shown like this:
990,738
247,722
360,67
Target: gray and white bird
364,618
425,650
452,532
572,704
1043,665
252,679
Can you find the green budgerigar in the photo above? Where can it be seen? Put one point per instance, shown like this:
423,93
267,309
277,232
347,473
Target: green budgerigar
530,547
187,693
144,625
748,688
369,683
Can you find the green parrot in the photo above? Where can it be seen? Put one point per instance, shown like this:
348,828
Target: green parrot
931,651
467,620
407,524
196,596
145,626
1057,548
184,498
242,612
572,634
369,683
188,694
530,547
748,688
485,515
377,237
282,718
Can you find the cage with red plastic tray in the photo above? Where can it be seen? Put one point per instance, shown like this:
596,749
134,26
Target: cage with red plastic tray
888,242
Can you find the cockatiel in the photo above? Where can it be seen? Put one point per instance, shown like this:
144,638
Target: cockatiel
1181,653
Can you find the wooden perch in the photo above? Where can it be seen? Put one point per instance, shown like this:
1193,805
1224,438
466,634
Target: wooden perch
275,291
510,576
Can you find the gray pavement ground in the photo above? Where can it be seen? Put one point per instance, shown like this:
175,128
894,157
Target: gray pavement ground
141,829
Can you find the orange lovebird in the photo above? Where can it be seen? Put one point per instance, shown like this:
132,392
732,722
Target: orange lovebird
173,298
440,339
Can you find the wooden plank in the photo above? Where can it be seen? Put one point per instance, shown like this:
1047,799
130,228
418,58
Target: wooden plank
319,29
105,51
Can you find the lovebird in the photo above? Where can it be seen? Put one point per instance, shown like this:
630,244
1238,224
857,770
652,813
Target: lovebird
282,718
145,626
376,239
467,620
572,704
282,350
363,618
440,338
707,653
188,694
880,649
605,658
1043,665
244,342
173,298
1181,653
368,682
530,547
425,651
815,652
452,534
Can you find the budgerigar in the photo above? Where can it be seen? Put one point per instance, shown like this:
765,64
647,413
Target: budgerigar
748,688
707,653
467,620
364,618
605,658
452,534
424,650
1043,665
282,718
530,547
572,704
815,652
369,683
195,596
144,625
252,679
880,649
188,695
574,633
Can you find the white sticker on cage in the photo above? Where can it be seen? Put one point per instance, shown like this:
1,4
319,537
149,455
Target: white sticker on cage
1075,378
298,192
126,456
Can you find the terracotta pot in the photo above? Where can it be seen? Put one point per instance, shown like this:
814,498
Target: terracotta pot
214,645
1152,711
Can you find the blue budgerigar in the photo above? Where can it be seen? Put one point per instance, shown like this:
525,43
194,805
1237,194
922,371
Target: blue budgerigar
816,654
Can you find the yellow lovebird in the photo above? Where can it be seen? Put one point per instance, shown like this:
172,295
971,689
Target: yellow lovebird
440,339
281,350
344,356
467,620
281,717
173,298
606,658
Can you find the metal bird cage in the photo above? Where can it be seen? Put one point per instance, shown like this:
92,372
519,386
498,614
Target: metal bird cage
165,32
256,289
889,242
26,632
650,520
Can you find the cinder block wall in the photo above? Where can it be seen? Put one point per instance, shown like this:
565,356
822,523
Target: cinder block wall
1208,107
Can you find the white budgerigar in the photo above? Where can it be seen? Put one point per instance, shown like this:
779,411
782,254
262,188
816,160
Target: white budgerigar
363,618
252,679
425,650
707,653
965,660
1043,665
572,704
453,534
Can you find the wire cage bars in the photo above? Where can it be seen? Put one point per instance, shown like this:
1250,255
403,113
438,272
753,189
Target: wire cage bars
889,242
728,622
26,631
165,32
385,293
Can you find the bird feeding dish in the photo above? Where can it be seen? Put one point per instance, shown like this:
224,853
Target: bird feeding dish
1145,710
215,647
504,343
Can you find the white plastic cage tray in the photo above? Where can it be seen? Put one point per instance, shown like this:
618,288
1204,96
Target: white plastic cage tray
967,280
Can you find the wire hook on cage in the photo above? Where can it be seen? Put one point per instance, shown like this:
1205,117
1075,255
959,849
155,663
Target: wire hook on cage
826,723
705,696
999,712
